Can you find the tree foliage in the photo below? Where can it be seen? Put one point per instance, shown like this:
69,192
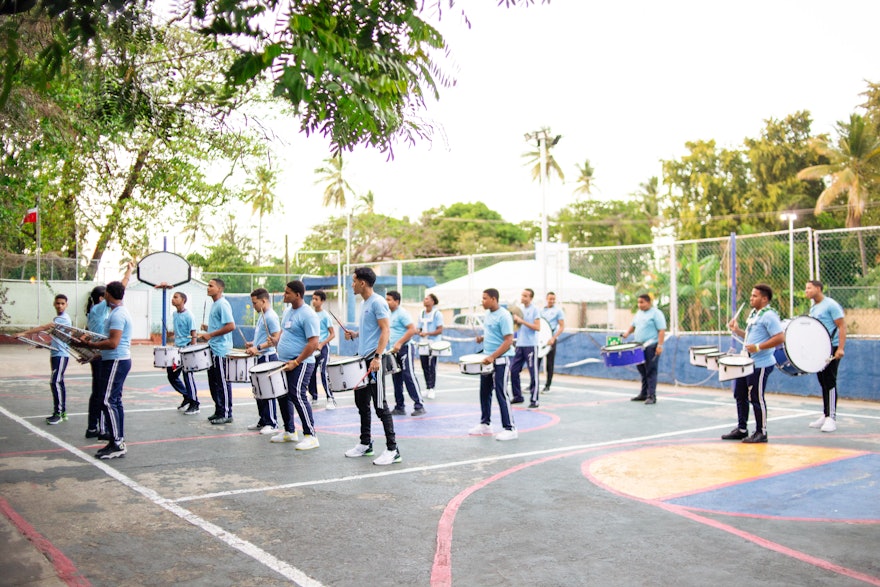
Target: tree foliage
469,228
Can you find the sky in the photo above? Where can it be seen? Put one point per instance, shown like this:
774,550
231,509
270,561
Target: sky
626,84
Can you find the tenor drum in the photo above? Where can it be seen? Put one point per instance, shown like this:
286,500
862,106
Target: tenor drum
698,354
712,360
734,367
166,356
196,357
238,367
473,365
807,347
347,373
424,348
545,333
620,355
441,348
268,380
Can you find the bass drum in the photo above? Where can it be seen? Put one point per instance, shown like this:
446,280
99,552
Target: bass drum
807,347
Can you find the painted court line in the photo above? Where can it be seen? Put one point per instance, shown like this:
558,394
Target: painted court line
282,568
465,463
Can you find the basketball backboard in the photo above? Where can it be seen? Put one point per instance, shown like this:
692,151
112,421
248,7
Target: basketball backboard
164,267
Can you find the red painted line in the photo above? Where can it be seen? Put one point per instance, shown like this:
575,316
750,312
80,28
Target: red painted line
64,567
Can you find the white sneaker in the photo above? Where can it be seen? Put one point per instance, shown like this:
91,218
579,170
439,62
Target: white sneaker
284,437
431,394
331,403
388,457
818,422
480,430
829,426
308,443
361,450
269,429
255,426
507,435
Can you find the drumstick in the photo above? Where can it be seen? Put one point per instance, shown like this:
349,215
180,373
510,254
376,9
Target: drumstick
243,339
737,312
337,320
204,311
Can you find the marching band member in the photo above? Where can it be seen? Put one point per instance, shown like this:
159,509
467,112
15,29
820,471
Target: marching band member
402,329
830,314
555,317
430,329
526,349
328,333
184,335
266,335
219,336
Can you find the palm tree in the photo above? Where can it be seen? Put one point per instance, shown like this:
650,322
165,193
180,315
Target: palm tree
585,179
336,184
534,159
367,203
261,195
854,168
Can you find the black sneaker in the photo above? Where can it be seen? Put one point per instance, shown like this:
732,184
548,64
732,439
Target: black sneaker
517,400
112,451
54,419
533,405
755,438
638,398
651,400
398,412
91,434
735,434
221,420
418,412
183,405
192,410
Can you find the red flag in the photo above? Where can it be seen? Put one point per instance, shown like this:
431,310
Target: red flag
30,217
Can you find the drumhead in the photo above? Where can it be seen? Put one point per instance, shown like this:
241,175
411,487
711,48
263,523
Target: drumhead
267,366
474,358
735,361
440,345
807,344
238,355
706,351
344,361
545,333
194,348
626,346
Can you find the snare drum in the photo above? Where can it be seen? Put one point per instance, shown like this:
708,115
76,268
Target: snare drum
698,356
734,367
238,367
347,373
807,347
196,357
712,360
701,360
268,380
424,348
473,365
166,356
441,348
620,355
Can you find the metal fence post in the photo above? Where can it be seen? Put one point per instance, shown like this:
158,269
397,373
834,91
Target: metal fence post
673,289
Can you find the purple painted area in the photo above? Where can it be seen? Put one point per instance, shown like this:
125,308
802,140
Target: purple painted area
842,490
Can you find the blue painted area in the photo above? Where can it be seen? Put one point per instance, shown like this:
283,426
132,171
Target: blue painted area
842,490
441,420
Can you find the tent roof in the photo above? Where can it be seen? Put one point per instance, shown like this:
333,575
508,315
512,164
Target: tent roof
511,277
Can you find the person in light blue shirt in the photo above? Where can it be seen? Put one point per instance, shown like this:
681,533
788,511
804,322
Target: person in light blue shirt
266,335
555,317
299,340
830,314
497,340
115,365
762,335
219,336
402,329
373,334
59,357
526,349
430,330
649,326
183,382
328,333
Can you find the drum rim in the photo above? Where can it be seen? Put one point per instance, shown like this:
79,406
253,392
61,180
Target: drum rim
706,351
624,346
194,348
470,360
736,361
439,345
267,366
788,357
345,361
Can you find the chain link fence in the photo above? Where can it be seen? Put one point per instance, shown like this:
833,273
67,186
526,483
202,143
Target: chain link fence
848,264
52,267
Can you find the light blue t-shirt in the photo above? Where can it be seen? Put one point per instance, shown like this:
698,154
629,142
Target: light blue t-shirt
59,349
648,324
761,326
429,322
374,309
553,316
496,326
526,337
119,319
267,324
400,321
184,324
826,312
97,321
297,327
325,324
220,315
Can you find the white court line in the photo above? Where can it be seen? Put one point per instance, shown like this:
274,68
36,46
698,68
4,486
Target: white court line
492,459
130,411
261,556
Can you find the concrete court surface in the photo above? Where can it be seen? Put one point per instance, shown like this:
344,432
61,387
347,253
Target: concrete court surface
597,490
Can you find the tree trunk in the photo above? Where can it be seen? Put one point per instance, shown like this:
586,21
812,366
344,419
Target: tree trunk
863,257
112,223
